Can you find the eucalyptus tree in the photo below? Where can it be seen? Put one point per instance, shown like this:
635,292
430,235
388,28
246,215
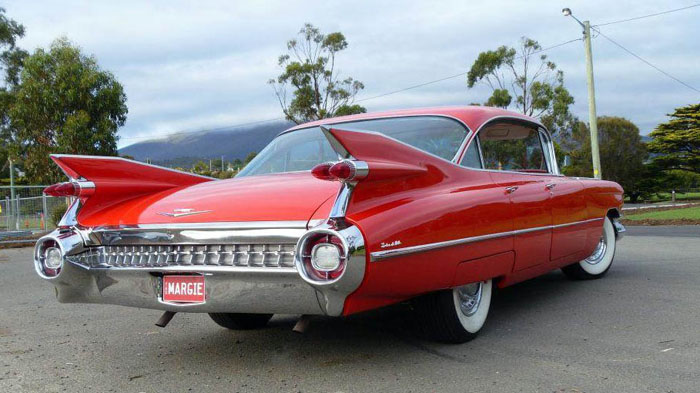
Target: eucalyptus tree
310,86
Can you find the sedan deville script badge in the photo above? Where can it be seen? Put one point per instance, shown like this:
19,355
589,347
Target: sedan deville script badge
183,212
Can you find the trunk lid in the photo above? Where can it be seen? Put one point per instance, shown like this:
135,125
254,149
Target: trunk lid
276,197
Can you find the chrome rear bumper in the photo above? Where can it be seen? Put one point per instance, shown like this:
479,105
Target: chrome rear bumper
234,291
255,284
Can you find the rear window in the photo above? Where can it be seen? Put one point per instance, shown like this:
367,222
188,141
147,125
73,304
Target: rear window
302,149
440,136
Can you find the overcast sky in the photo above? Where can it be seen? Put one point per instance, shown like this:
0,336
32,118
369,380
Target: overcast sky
201,64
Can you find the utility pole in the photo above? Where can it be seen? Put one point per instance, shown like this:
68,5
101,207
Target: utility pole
592,117
12,180
222,163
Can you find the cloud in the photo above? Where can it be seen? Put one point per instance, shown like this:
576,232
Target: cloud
193,65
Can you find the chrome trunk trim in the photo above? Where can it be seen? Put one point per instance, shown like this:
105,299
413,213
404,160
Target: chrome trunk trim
260,232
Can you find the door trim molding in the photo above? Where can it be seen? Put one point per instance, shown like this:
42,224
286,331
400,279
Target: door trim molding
380,255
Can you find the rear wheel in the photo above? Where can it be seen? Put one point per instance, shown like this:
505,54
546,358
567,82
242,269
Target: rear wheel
455,315
596,265
237,321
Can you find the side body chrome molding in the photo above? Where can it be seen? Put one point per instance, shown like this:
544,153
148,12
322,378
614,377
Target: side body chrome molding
380,255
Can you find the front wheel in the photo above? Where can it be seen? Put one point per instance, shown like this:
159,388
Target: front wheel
239,321
455,315
596,265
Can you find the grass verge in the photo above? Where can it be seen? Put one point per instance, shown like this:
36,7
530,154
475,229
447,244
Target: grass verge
679,216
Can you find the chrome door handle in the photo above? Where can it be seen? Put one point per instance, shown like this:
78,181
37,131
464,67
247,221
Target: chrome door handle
550,186
511,189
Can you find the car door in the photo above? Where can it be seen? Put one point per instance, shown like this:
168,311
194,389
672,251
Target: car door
568,204
513,155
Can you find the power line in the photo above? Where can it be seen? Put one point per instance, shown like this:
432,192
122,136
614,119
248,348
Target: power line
413,87
460,74
648,16
646,62
361,100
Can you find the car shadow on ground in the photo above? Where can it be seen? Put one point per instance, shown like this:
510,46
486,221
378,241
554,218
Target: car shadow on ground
379,334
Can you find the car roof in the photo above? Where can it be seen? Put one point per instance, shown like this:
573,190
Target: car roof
472,116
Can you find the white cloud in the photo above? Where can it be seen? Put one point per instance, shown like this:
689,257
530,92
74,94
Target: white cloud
192,65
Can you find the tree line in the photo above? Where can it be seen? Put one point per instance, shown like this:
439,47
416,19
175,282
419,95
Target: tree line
54,100
525,80
59,100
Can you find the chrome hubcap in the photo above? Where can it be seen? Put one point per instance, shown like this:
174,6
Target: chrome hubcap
599,252
469,298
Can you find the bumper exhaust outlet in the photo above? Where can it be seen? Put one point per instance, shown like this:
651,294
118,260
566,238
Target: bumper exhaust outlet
165,319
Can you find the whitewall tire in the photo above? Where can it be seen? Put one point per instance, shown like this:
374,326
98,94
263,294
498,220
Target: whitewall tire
598,263
455,315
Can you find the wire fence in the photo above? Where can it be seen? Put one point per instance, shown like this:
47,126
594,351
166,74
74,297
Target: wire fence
29,210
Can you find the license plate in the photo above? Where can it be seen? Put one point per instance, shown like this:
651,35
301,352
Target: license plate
183,289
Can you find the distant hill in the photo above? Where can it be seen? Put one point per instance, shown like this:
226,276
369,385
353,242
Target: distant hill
185,149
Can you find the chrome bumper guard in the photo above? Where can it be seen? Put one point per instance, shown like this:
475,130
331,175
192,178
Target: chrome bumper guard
247,269
619,229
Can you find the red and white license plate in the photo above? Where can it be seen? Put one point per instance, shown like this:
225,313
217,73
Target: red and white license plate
183,289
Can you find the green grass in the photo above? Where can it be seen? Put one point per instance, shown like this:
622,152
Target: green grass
666,196
691,213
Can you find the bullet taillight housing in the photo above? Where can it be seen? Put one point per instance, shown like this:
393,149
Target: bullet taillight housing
345,170
71,189
66,189
50,257
322,171
323,256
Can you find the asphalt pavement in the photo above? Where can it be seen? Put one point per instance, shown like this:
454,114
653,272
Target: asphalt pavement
636,330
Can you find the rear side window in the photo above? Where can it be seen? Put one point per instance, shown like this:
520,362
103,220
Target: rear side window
512,147
294,151
471,157
440,136
302,149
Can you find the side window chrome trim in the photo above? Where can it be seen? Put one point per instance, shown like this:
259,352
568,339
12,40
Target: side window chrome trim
516,172
553,170
545,150
480,155
551,154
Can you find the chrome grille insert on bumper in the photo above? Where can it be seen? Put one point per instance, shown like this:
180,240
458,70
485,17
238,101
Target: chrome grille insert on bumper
220,255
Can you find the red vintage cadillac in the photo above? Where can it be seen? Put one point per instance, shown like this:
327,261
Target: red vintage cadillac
336,217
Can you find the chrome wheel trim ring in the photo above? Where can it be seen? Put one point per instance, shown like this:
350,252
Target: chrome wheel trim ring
469,298
599,252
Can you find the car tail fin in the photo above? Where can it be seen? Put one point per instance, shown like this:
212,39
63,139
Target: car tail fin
386,158
380,166
102,181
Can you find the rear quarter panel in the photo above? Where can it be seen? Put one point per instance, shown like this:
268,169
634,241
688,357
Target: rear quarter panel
464,203
601,197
